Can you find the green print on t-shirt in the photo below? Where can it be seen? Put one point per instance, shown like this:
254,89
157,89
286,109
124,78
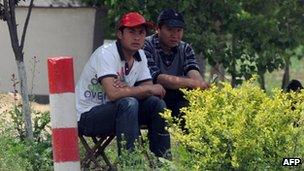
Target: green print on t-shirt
94,89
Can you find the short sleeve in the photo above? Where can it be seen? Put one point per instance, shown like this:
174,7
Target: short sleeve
104,64
190,61
154,69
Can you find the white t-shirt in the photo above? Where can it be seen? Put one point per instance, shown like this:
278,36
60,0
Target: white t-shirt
106,61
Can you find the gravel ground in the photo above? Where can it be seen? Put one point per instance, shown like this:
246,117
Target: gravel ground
7,102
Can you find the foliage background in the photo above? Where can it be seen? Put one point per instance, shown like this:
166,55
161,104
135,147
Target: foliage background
241,128
245,37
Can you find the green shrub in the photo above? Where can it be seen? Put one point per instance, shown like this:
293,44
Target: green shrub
137,159
17,153
41,120
140,158
239,129
10,158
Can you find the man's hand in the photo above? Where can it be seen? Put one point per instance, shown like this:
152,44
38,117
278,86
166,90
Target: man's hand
198,84
119,84
157,90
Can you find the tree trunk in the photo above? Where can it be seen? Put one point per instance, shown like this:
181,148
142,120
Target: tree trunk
9,12
286,76
233,80
221,72
202,64
262,81
218,68
233,72
25,100
217,71
99,28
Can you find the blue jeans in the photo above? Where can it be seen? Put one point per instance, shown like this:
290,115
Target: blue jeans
125,116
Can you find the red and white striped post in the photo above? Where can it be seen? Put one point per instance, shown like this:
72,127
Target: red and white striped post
63,114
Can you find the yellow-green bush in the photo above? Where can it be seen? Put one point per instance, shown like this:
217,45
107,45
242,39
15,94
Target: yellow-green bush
239,128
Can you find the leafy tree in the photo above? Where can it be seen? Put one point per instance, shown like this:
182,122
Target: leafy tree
275,33
290,18
246,37
7,14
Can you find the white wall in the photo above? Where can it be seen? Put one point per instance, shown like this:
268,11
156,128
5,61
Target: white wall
51,32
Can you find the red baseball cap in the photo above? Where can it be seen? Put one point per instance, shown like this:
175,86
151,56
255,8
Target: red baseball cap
133,19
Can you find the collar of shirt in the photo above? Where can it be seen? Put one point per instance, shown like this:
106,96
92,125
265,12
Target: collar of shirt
122,56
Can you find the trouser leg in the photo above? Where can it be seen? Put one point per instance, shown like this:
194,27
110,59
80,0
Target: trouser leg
159,138
175,104
120,116
99,120
127,122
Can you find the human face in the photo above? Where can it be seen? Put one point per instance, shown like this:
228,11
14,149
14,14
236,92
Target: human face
132,39
170,36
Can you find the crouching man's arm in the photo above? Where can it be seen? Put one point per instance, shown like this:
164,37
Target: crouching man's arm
176,82
145,89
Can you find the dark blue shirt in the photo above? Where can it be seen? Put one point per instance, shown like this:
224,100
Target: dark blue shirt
177,63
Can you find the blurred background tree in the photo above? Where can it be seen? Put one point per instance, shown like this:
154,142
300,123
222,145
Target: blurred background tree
237,37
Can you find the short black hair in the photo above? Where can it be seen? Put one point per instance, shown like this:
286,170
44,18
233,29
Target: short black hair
123,27
294,85
160,24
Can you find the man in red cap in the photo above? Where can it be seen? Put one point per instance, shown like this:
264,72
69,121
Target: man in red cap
115,90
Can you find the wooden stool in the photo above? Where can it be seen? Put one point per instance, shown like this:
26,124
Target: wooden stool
94,151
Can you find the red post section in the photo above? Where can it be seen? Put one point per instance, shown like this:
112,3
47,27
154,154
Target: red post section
63,114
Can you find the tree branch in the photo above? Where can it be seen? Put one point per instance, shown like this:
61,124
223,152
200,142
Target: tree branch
13,16
12,27
26,24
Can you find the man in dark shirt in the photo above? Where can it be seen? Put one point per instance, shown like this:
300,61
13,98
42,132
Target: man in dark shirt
171,61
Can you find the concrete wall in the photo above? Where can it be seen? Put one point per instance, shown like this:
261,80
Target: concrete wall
51,32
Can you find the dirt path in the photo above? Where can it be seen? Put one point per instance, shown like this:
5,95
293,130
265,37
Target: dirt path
7,102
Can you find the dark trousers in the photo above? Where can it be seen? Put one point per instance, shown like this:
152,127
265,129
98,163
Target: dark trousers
175,101
125,116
